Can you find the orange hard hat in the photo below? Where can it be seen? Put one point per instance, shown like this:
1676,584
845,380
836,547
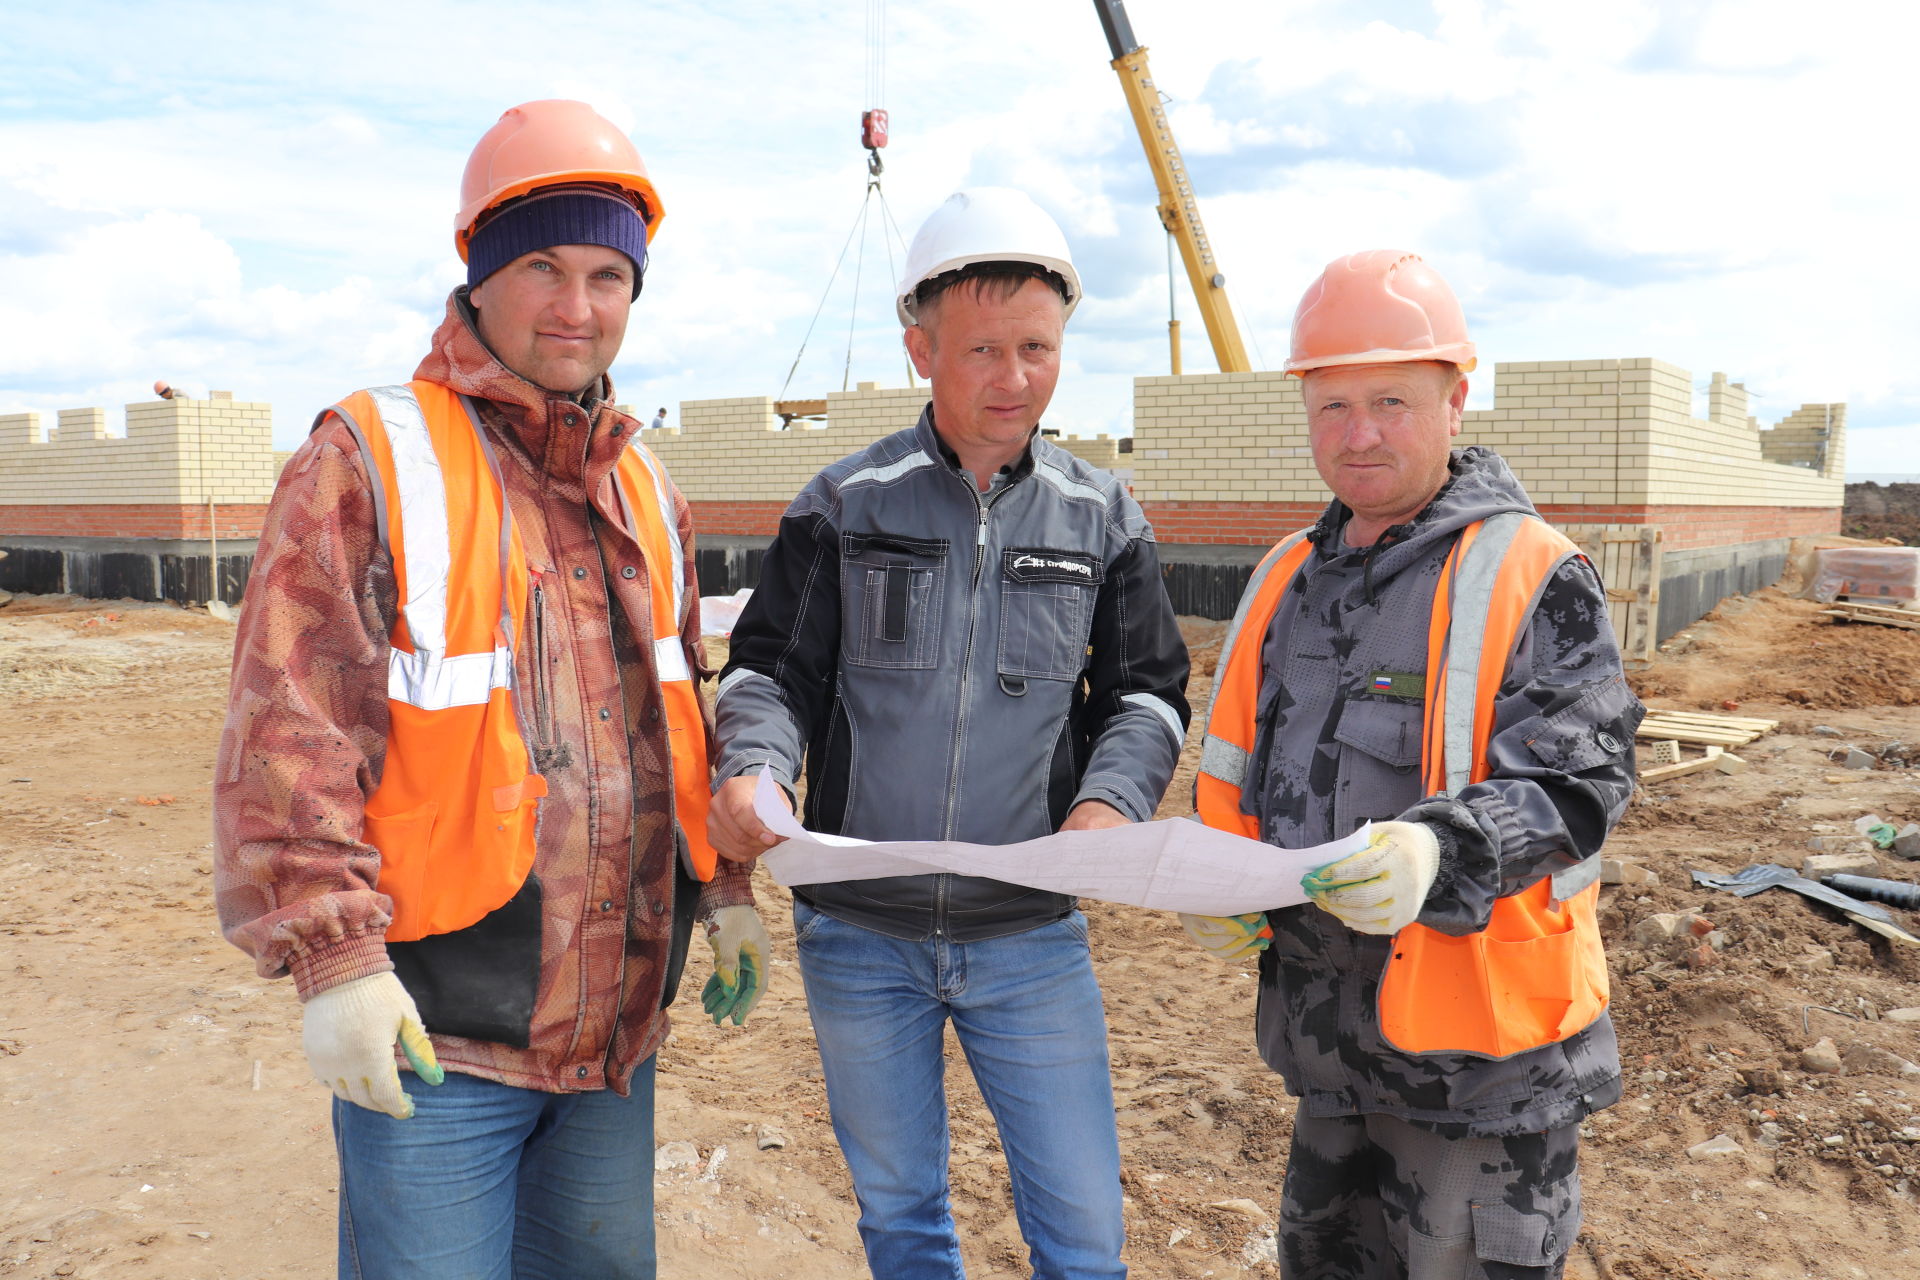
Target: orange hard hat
543,144
1381,306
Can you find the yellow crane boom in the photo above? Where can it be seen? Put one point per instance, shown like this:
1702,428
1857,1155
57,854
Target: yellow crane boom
1179,209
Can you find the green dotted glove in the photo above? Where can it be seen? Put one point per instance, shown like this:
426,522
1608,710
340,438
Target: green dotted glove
1380,889
740,948
1229,937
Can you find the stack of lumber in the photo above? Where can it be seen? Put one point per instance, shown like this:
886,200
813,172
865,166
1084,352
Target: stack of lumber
1702,728
1666,729
1885,615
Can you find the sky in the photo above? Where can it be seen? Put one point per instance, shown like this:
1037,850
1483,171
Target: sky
260,198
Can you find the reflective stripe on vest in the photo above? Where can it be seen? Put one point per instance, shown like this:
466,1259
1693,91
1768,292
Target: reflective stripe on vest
1537,973
455,814
644,488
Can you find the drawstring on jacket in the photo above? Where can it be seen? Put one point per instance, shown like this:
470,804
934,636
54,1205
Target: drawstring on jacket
1393,533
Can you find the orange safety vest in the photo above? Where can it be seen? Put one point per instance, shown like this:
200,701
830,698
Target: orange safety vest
454,816
1537,973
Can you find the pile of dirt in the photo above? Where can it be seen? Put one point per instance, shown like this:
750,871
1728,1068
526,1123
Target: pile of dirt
1773,647
1880,512
160,1120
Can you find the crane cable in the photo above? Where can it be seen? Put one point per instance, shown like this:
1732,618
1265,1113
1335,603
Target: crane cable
876,53
876,87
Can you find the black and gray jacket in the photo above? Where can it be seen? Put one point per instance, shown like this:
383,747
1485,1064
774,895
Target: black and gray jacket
1343,671
956,666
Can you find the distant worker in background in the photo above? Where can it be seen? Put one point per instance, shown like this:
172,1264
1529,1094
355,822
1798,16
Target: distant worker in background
461,795
659,419
1432,657
963,630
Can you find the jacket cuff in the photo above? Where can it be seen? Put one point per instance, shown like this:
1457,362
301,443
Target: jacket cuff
731,886
315,969
1468,879
1116,791
745,763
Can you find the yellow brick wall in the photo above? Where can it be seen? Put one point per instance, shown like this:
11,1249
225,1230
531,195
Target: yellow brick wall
736,450
1577,431
174,452
1574,431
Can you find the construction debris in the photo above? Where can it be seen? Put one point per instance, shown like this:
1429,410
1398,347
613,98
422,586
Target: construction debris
1897,892
1715,758
1886,616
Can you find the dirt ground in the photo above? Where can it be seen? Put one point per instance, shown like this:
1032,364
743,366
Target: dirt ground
159,1121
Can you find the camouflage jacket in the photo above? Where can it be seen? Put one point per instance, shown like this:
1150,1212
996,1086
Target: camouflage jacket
305,742
1337,746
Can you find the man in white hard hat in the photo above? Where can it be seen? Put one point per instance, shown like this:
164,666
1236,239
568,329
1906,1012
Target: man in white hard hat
1434,658
963,631
461,795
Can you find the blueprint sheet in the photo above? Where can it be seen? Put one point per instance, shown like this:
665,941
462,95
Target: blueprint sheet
1174,864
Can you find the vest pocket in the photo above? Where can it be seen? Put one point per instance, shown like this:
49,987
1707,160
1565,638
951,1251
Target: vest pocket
403,840
1046,611
891,589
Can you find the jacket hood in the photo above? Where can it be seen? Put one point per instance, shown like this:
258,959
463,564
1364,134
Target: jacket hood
1479,485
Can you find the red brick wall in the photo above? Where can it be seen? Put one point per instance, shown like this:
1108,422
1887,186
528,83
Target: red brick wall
1241,524
1686,527
1250,524
752,519
130,520
1683,527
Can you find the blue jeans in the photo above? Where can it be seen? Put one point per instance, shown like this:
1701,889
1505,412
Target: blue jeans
492,1182
1027,1012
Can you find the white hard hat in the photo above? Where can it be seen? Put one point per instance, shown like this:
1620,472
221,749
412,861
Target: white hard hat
985,224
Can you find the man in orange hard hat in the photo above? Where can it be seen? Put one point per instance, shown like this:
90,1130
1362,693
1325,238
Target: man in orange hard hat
462,791
1433,658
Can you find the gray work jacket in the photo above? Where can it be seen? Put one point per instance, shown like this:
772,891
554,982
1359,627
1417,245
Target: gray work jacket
1338,743
954,665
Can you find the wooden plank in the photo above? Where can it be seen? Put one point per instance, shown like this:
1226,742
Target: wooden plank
1711,717
1681,770
1880,608
1646,580
1627,560
1709,726
1878,619
1706,726
1745,732
1695,737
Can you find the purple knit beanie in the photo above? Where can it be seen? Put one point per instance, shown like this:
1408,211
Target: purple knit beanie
570,215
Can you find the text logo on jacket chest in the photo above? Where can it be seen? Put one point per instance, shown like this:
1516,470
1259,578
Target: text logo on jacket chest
1045,564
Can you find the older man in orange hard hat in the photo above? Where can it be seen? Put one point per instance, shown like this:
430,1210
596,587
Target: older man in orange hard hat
462,791
1433,658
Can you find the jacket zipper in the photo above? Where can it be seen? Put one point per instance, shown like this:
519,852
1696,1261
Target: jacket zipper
966,668
542,690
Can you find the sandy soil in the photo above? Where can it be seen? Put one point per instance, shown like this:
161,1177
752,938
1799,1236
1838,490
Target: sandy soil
159,1121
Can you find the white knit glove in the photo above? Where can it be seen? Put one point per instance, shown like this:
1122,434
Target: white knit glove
740,950
1381,888
349,1032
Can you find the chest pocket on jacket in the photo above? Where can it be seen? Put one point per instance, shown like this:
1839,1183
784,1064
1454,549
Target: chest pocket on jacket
890,593
1046,611
1379,774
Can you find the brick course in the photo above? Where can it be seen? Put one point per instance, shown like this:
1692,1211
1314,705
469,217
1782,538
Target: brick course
234,521
1216,458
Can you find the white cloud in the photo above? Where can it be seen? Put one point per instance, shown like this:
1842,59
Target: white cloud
262,199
